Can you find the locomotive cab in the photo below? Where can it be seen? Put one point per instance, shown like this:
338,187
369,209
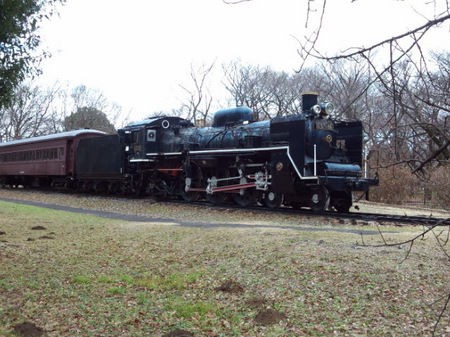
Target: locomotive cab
151,137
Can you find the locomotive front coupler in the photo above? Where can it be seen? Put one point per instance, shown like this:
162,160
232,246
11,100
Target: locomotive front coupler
362,184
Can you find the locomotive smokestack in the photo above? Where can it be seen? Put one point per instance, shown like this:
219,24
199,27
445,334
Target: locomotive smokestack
309,99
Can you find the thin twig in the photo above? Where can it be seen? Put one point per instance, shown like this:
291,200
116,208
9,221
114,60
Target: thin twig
444,308
425,26
382,236
408,252
314,38
441,245
234,2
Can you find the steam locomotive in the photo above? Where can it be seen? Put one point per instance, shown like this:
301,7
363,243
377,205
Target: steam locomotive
304,160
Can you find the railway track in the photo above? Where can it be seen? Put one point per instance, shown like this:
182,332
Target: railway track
361,216
406,219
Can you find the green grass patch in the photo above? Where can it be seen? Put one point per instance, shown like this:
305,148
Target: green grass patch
119,290
105,279
175,281
188,309
81,279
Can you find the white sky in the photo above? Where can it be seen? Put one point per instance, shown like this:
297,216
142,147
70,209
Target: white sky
138,52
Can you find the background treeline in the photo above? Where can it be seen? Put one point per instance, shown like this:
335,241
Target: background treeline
405,112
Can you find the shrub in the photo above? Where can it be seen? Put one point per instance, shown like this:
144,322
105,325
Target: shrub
399,186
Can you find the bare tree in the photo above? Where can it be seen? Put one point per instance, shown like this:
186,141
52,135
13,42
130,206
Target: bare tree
406,57
85,99
28,115
38,111
409,39
419,105
199,100
83,96
271,94
256,87
430,109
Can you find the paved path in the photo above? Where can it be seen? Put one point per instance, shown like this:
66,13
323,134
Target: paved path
145,218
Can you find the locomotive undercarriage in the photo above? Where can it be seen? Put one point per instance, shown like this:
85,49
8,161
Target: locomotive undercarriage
243,180
87,185
103,186
25,181
220,180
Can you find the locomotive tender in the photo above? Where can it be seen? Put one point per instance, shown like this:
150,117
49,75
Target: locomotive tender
304,160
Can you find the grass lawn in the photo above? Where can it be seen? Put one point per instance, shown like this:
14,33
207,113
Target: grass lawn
65,274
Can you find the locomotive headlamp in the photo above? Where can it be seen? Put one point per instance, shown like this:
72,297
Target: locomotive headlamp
327,107
316,109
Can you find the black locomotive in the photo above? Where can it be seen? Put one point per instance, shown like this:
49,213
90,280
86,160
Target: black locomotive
303,160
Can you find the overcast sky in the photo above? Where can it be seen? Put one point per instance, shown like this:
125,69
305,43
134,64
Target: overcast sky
138,52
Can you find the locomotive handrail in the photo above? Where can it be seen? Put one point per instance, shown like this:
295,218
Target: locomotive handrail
234,150
315,160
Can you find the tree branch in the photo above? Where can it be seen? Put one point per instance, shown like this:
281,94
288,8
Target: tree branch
425,26
433,156
444,308
235,2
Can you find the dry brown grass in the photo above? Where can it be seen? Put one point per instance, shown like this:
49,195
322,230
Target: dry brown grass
88,276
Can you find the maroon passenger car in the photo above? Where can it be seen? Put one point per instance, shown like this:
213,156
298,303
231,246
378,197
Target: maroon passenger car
41,161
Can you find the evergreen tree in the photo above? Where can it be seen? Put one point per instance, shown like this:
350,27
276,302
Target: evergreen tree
19,41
